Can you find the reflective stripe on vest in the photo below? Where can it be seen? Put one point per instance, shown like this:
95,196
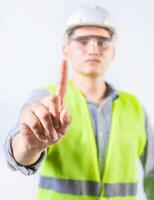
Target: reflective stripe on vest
90,188
120,189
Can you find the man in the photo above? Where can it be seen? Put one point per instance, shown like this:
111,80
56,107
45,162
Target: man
87,136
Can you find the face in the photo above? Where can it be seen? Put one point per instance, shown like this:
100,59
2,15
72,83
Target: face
90,50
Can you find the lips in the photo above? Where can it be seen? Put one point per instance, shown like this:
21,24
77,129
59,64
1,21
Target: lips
93,60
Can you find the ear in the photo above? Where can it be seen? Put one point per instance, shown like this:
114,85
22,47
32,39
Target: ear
65,50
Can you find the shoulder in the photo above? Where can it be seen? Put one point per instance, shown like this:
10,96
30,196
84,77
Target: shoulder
129,97
38,94
131,102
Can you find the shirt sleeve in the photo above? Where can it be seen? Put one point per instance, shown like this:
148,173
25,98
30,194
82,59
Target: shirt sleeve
147,159
12,163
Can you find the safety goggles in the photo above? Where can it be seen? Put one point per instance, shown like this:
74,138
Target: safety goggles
99,41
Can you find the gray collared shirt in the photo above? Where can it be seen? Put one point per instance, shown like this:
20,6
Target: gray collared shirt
101,119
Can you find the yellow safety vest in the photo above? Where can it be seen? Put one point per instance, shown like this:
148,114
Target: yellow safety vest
70,170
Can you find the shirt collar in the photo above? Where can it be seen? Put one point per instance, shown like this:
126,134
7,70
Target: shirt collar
111,95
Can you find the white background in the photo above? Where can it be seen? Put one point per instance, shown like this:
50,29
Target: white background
30,56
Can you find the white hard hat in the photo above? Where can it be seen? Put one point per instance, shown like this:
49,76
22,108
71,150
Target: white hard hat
89,16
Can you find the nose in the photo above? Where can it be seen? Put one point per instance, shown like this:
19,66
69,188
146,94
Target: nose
93,47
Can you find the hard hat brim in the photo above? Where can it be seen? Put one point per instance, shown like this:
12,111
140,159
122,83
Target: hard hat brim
90,24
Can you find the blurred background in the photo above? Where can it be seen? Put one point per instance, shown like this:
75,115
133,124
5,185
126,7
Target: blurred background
30,57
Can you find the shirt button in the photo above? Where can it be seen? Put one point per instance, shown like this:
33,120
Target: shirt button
101,161
101,134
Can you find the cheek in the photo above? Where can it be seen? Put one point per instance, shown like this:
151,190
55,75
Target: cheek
109,55
75,55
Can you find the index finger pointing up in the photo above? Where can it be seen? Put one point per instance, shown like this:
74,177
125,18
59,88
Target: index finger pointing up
62,83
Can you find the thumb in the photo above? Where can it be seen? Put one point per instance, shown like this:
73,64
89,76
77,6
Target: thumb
65,119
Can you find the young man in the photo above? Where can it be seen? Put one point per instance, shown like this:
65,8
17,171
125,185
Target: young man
87,136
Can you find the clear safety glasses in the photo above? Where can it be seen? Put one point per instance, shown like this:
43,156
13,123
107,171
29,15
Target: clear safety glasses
83,42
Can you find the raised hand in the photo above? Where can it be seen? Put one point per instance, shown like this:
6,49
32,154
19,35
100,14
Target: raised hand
45,122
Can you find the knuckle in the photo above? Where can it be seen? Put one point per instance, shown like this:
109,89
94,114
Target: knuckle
49,102
45,115
40,135
45,101
35,125
35,105
54,138
54,99
38,107
48,126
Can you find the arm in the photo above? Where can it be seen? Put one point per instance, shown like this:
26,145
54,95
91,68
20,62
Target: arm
148,160
13,164
38,125
42,124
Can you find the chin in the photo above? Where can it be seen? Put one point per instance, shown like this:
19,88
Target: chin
96,70
92,74
91,70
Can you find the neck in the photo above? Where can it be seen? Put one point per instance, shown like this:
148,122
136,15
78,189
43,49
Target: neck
93,88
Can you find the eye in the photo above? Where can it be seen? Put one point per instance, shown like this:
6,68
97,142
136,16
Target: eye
83,41
100,42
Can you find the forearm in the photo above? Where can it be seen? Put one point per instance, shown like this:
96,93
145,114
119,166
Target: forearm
23,154
11,161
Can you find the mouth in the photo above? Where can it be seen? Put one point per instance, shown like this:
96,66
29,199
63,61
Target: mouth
93,61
